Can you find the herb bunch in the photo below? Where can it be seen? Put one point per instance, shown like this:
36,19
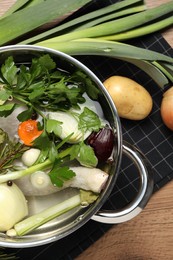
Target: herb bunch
41,88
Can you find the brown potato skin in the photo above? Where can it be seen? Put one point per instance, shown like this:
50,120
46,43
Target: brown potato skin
131,99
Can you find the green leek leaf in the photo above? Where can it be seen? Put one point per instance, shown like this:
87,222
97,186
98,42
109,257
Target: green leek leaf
28,19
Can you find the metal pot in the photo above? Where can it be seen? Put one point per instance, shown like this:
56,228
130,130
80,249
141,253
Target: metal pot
68,223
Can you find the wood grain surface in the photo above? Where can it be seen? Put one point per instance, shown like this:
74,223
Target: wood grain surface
149,236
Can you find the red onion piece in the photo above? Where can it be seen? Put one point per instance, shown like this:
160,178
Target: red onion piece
102,142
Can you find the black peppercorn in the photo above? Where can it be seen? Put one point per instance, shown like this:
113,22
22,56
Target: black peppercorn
9,183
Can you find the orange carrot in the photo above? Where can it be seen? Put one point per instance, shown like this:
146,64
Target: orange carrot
28,131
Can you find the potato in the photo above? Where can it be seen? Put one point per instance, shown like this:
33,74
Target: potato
131,99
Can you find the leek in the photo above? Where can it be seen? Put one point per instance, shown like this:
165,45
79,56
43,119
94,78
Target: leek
141,31
164,70
88,19
27,19
27,225
16,6
21,173
105,48
100,33
120,25
111,16
140,57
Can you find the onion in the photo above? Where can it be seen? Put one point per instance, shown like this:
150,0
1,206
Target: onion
13,205
102,142
167,108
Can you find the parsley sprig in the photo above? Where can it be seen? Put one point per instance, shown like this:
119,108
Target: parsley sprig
41,86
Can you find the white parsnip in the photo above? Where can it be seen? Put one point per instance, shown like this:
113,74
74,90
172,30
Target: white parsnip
92,179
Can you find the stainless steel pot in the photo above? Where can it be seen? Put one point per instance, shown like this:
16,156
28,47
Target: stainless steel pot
68,223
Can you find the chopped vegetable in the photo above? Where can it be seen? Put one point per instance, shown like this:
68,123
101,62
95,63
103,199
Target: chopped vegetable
40,180
30,156
28,131
87,197
85,178
167,108
13,206
102,143
31,223
39,184
131,99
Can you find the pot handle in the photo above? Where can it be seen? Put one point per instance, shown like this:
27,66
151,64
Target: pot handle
144,193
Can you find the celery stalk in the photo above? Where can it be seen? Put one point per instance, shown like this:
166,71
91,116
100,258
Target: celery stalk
27,225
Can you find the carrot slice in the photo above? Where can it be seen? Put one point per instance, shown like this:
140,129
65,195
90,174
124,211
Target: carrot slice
28,131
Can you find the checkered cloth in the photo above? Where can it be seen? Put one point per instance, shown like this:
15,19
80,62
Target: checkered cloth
149,135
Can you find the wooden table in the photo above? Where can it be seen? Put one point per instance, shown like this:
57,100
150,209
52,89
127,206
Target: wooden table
149,235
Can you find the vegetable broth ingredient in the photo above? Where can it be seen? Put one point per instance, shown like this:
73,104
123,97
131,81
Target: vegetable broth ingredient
40,180
102,143
114,27
167,108
20,22
131,99
9,152
69,125
13,206
42,86
87,197
30,156
12,125
92,179
34,221
28,131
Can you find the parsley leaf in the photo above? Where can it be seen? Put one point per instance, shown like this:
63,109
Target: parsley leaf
25,115
7,109
5,94
47,62
59,175
88,120
53,126
84,154
9,71
89,85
